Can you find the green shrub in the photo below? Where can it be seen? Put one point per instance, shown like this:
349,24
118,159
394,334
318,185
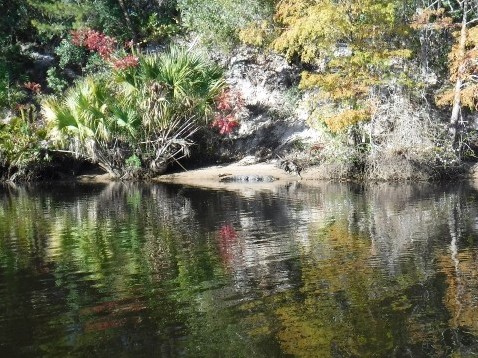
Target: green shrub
70,55
9,93
133,161
149,110
20,141
219,21
55,81
158,29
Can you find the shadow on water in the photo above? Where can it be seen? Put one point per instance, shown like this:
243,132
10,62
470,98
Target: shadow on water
338,270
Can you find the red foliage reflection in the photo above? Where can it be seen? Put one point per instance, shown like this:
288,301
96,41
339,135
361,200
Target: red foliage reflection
112,314
227,233
227,237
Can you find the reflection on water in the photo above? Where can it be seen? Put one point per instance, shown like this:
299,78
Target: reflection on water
153,270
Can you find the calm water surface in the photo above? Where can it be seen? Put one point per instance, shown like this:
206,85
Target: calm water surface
334,270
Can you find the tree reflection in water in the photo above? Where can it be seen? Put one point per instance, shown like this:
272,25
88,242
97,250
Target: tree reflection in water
325,270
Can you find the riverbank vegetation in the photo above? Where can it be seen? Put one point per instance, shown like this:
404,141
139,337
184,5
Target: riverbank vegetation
390,86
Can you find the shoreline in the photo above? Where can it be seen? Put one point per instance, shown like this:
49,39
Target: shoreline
260,174
211,176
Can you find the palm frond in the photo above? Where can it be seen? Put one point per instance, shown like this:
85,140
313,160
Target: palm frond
155,107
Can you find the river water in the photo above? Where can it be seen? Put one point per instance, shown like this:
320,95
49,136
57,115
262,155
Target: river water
330,270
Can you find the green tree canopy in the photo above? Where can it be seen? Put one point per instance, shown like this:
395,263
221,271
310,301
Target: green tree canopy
220,21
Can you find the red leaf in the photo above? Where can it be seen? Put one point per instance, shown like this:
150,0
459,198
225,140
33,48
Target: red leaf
32,86
225,124
126,62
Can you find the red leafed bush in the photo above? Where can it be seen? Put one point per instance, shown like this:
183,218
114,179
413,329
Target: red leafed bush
228,105
78,37
223,101
94,41
225,124
105,46
229,100
126,62
32,86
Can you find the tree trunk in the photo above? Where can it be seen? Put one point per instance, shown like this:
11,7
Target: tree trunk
127,18
456,110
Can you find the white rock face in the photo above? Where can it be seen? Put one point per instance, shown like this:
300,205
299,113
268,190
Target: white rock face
272,120
262,79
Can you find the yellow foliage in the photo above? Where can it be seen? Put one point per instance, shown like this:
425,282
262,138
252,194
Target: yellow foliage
463,67
337,86
431,19
444,99
346,118
469,97
289,10
256,34
351,41
312,30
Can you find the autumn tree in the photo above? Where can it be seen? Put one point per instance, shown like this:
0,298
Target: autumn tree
433,27
349,48
462,89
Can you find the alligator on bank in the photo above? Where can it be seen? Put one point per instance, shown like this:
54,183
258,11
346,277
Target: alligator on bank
248,179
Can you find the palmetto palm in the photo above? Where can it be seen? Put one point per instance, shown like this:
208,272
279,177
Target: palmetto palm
150,110
180,81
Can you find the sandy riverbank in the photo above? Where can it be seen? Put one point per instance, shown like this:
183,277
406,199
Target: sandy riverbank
211,176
